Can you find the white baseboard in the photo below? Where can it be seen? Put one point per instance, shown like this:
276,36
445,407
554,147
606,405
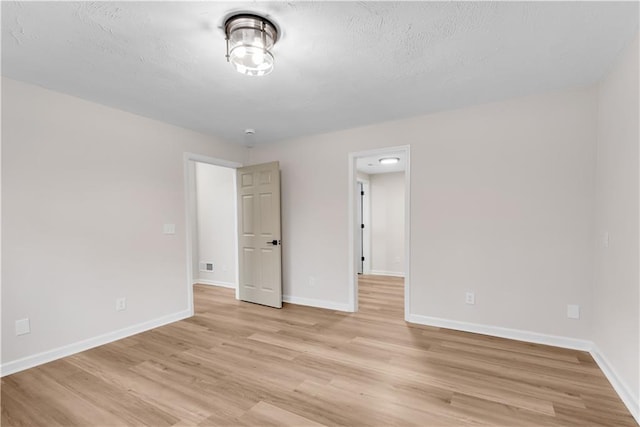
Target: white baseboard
497,331
330,305
67,350
387,273
215,283
629,398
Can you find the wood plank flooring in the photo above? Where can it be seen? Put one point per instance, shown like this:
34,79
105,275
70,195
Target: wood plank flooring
240,364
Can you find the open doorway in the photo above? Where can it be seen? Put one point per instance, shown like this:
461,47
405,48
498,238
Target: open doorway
231,207
212,240
215,255
380,229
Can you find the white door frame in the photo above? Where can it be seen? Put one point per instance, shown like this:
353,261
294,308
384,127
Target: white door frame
366,219
189,161
353,221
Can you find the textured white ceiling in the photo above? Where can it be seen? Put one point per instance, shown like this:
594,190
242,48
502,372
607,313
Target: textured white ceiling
338,64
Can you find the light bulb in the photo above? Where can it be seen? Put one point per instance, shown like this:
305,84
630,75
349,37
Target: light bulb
257,58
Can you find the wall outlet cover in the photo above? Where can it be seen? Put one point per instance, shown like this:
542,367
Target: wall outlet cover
23,326
121,304
470,298
573,311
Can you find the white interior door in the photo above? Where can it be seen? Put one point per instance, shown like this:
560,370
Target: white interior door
259,246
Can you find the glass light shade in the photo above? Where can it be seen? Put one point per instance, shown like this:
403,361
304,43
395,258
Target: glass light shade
250,60
249,40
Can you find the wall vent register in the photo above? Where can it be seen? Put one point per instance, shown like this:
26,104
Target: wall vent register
206,266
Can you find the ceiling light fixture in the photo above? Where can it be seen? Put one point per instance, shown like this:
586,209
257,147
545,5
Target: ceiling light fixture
249,42
389,160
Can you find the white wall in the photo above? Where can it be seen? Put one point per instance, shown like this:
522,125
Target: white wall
502,200
363,176
387,223
216,224
616,297
86,190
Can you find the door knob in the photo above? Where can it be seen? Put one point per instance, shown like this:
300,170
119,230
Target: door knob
274,242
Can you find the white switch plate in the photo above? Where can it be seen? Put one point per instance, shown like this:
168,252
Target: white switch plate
470,298
605,239
169,229
121,304
573,311
23,327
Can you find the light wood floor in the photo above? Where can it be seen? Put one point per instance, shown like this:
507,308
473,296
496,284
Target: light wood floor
242,364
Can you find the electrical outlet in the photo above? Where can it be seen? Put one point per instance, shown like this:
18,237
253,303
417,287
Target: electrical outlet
605,239
312,281
470,298
23,327
121,304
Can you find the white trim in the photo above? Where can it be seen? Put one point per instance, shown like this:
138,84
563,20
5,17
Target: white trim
67,350
497,331
237,228
211,160
387,273
352,280
352,212
407,234
190,224
631,401
330,305
214,283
